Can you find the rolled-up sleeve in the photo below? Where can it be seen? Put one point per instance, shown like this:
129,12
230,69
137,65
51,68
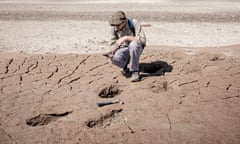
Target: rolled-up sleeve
139,33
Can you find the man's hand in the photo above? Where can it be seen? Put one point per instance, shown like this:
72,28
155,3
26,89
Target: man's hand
109,54
125,38
121,40
118,43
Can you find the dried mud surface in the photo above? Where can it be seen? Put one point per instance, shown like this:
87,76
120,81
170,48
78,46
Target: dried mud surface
52,99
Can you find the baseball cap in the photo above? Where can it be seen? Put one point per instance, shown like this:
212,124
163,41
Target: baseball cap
117,18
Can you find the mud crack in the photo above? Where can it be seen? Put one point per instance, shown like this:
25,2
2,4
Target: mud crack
51,75
170,129
74,70
228,87
230,97
7,67
98,66
191,82
45,119
32,67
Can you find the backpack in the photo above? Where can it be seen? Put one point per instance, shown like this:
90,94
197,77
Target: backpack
131,26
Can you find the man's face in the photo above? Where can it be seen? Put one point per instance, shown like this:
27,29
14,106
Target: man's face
121,26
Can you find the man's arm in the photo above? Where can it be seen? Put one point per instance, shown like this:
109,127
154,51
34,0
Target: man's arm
125,38
139,35
112,44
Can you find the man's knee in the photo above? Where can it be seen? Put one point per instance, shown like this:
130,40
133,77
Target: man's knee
135,48
133,44
116,59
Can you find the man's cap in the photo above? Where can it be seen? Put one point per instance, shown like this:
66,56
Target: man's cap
117,18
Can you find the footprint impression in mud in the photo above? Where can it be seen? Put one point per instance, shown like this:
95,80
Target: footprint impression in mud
113,116
45,119
109,91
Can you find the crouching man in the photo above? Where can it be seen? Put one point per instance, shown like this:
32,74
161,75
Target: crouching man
128,41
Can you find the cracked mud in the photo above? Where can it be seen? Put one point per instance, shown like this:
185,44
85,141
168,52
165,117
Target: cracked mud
198,92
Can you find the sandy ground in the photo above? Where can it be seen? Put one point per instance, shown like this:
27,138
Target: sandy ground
52,73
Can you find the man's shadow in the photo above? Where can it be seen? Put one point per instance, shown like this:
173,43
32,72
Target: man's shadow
156,68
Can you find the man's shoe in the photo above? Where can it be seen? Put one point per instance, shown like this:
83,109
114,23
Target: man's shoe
125,72
135,77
